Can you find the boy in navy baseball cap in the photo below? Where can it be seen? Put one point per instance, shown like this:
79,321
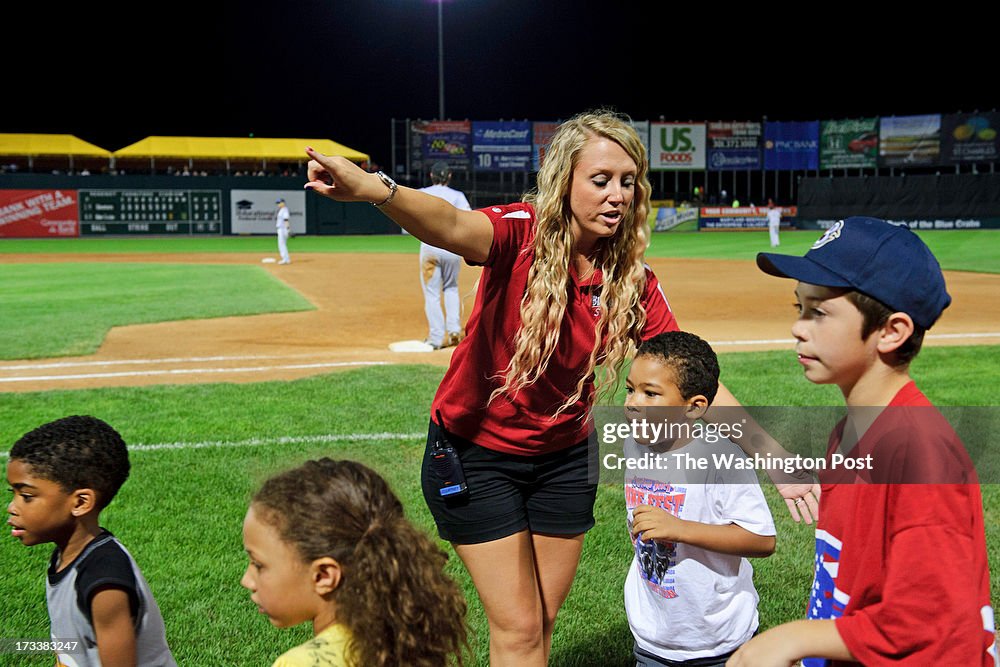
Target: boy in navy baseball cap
884,261
901,521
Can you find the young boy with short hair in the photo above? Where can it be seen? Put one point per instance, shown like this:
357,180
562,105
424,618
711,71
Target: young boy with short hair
63,474
689,593
901,573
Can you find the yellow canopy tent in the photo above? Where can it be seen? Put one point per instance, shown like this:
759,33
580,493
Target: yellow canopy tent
34,146
235,148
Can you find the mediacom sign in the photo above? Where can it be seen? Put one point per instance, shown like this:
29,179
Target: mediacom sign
676,146
38,213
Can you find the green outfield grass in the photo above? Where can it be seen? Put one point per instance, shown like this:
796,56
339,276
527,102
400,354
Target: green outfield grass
57,309
966,250
181,510
227,244
973,250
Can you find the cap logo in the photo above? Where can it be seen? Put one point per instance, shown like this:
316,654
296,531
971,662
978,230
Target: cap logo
831,234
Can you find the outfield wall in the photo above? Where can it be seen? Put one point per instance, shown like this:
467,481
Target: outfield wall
945,201
46,206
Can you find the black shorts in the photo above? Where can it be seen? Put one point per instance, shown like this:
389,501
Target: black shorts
551,493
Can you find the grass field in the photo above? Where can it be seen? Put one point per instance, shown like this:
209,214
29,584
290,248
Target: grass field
80,302
199,451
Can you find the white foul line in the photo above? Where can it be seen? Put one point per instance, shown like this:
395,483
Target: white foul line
963,335
260,369
130,362
282,440
790,341
770,341
190,371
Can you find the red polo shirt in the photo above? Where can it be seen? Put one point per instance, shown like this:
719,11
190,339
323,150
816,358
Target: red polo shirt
524,424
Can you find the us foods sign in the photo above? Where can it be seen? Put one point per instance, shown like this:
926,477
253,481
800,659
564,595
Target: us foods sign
676,146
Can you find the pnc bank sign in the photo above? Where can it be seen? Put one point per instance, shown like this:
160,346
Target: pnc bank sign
677,146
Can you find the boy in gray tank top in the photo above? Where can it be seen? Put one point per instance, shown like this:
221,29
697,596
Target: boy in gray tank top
101,609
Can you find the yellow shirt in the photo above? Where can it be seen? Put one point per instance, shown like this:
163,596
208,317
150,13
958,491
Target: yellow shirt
328,648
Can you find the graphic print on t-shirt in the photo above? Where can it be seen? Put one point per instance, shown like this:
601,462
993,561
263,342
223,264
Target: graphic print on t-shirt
826,602
656,560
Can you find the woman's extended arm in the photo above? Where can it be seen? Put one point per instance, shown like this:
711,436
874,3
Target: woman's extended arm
430,219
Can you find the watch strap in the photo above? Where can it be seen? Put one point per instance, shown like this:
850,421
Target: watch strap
389,183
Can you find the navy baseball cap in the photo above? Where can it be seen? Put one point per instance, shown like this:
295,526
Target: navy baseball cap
280,201
884,261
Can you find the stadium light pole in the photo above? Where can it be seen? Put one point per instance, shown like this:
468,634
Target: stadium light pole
440,4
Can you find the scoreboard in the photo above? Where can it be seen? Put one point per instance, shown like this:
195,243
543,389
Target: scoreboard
150,212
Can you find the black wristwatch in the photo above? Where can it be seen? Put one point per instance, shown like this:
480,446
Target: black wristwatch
389,183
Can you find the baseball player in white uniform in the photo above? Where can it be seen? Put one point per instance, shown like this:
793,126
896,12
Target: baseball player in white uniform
773,222
439,271
284,229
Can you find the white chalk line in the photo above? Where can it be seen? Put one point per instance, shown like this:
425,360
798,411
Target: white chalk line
190,371
961,335
261,369
138,362
770,341
260,442
788,341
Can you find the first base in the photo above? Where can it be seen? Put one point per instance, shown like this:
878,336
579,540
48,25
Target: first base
410,346
269,260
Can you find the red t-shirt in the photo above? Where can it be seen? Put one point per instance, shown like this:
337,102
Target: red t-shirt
901,565
524,424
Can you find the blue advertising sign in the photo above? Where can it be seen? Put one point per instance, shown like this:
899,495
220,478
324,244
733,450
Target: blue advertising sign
441,140
501,145
734,146
970,137
790,146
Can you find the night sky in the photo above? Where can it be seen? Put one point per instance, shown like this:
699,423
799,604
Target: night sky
113,75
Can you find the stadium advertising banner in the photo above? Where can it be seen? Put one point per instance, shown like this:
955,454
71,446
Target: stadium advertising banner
541,134
502,145
150,212
731,218
848,144
791,146
255,211
970,138
445,140
666,218
38,213
676,146
909,141
641,128
734,146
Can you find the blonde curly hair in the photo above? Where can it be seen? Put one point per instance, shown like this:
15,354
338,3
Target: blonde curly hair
620,257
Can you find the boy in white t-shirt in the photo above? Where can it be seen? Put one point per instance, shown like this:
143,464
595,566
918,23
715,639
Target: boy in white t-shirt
689,593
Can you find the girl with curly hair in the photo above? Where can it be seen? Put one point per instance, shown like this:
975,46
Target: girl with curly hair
328,543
